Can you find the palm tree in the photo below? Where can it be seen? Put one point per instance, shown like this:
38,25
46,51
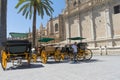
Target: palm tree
32,8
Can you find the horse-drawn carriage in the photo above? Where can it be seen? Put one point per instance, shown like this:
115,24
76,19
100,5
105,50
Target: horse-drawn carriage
15,50
83,52
44,52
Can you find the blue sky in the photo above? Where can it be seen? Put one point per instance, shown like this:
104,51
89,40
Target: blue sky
18,23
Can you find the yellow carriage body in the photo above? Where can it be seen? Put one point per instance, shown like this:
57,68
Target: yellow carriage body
48,51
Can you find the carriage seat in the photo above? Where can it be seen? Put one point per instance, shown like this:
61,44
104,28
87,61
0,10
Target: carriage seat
49,48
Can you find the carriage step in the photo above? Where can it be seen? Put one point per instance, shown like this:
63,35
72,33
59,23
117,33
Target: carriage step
16,58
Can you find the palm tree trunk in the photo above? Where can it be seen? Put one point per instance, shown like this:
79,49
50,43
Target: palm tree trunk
34,27
3,20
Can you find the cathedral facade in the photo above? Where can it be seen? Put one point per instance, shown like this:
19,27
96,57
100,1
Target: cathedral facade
56,28
95,20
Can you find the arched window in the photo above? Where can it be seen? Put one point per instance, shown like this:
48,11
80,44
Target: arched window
79,1
56,27
69,2
74,4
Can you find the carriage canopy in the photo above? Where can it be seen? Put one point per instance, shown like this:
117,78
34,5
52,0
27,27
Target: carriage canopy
45,39
18,35
76,38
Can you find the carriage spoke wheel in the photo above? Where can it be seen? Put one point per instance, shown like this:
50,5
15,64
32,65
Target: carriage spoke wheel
71,56
43,56
28,57
34,56
57,55
80,55
62,56
3,59
29,60
88,54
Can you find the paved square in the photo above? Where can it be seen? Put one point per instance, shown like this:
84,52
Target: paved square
98,68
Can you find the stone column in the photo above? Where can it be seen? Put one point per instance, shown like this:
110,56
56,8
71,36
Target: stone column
93,30
109,25
67,28
68,10
80,26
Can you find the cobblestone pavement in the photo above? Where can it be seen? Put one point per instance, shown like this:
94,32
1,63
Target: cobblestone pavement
98,68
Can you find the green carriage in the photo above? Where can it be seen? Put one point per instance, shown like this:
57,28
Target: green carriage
15,50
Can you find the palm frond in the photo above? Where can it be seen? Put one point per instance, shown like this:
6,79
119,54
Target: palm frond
31,7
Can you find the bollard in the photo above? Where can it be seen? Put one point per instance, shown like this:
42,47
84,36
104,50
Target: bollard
100,48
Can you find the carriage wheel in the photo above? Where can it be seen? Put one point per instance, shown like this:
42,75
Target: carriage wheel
88,54
57,55
29,60
43,56
34,56
62,56
71,56
3,59
65,55
80,55
28,57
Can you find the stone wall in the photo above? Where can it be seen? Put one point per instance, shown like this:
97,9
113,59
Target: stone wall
74,26
99,25
86,25
116,25
109,51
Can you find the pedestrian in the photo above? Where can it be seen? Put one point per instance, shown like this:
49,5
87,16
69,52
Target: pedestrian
106,50
100,48
74,47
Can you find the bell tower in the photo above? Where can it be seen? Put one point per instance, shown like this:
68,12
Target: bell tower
71,4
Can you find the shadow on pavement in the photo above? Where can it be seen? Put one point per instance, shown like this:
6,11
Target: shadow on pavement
71,62
57,62
85,61
25,66
92,60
